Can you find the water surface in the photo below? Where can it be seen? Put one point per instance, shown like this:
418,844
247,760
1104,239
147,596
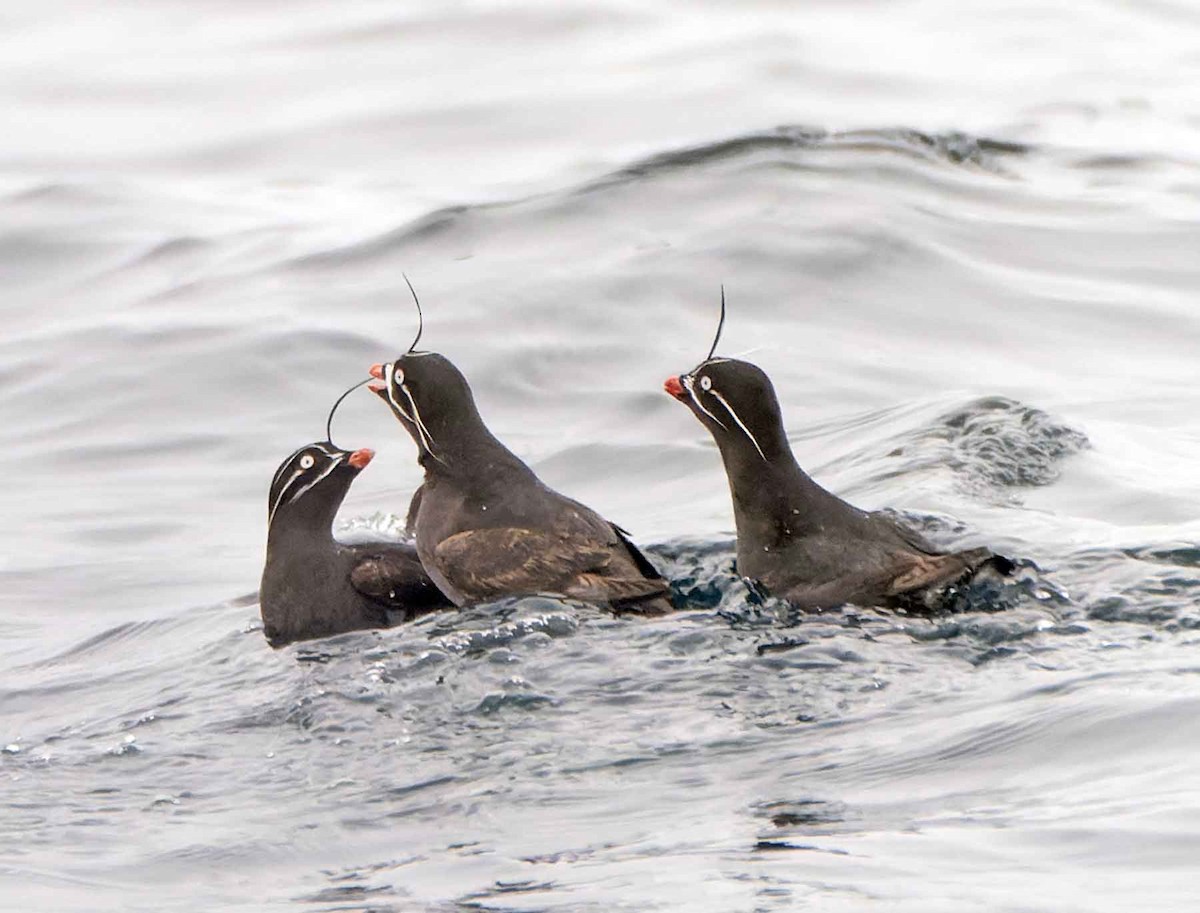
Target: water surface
961,241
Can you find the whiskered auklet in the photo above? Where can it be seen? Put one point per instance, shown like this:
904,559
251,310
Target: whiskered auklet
486,526
314,586
795,539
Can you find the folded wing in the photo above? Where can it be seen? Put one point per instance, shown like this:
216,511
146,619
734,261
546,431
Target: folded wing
489,563
395,579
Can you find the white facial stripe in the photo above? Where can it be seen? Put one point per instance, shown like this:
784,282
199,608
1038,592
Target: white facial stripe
335,461
426,437
282,492
332,454
689,384
333,464
283,467
741,424
389,371
415,416
279,472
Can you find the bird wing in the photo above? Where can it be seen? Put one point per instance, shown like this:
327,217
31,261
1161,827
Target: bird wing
506,561
509,560
395,579
632,594
647,593
648,570
921,572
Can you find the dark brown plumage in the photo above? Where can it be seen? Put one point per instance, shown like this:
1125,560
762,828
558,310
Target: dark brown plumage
797,540
485,525
313,585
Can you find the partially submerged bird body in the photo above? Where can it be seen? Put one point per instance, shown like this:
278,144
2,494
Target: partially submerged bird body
873,562
314,586
794,538
485,525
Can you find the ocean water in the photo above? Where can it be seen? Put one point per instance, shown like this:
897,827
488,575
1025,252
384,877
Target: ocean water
961,238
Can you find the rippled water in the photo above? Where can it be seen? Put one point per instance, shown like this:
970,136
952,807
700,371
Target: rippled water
968,260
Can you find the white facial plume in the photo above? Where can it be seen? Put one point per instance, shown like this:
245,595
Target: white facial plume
304,469
394,381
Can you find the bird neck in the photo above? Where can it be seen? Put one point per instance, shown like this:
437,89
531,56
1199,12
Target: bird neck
302,527
774,500
471,456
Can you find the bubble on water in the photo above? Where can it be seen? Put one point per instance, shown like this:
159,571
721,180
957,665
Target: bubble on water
127,746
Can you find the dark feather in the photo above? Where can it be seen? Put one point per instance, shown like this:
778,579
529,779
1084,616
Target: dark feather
485,563
926,571
631,594
414,507
643,564
395,580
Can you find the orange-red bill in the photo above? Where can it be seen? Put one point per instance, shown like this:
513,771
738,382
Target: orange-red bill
675,388
360,458
376,372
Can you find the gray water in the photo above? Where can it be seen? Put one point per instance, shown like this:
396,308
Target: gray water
961,238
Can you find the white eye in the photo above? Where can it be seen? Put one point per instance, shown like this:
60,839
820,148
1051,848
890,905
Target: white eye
397,376
307,461
706,382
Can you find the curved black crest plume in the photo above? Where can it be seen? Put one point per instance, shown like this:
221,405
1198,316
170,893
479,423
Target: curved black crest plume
720,326
420,329
337,402
420,316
